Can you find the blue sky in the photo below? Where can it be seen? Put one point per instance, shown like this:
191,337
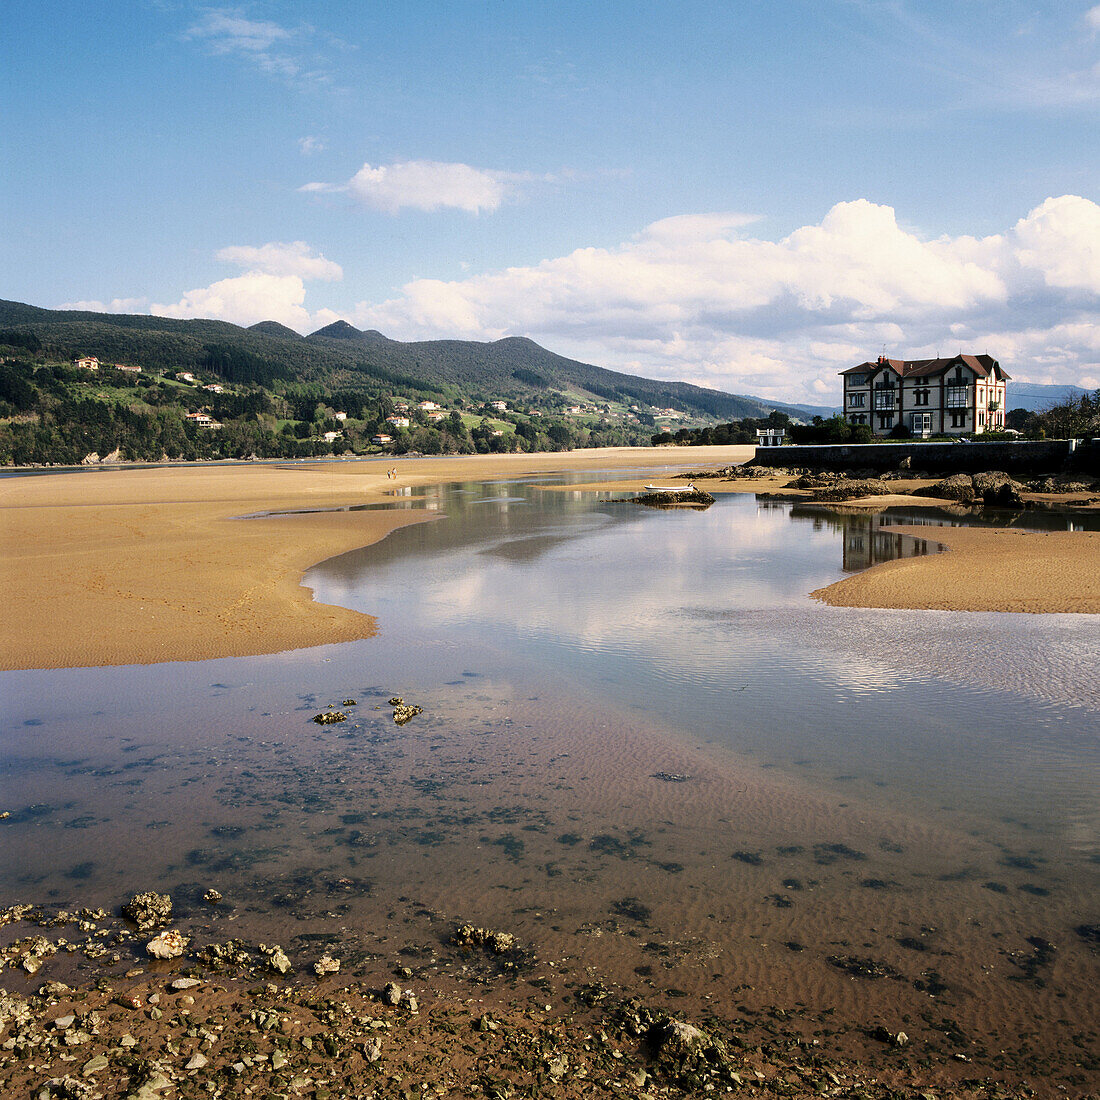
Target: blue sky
750,196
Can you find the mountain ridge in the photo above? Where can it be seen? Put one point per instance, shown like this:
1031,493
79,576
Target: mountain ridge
340,356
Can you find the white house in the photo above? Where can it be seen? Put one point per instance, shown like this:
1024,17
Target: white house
500,406
381,439
126,369
398,421
339,416
427,406
770,437
87,362
202,420
184,376
331,437
963,394
214,387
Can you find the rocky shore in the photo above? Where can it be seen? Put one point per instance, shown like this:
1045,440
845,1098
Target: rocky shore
230,1019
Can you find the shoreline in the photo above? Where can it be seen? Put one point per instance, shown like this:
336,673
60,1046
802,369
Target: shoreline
159,566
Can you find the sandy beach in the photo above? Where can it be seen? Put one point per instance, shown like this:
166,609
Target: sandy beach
138,566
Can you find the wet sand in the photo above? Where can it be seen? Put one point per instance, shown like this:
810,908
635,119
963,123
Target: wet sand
140,566
983,570
134,566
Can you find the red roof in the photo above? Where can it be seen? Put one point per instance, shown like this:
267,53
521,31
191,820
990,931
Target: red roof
981,365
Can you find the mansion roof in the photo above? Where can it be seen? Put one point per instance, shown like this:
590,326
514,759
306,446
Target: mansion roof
982,365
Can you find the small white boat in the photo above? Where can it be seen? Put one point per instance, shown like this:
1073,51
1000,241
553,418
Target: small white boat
670,489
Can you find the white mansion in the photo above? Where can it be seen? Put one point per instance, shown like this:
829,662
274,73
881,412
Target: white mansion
928,396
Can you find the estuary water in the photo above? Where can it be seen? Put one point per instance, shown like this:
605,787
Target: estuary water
643,749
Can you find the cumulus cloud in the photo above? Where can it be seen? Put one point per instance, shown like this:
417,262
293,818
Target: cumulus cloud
245,300
115,305
275,258
425,185
272,289
693,298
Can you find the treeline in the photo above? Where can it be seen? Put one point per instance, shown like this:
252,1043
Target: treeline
56,414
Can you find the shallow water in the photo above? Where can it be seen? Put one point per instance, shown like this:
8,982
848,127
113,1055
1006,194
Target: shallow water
643,749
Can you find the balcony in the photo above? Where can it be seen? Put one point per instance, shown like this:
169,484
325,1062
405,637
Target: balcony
994,406
884,400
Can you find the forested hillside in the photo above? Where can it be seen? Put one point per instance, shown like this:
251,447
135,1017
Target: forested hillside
269,392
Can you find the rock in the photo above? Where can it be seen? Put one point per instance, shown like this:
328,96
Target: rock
326,964
91,459
212,896
675,1037
95,1065
276,957
181,984
404,712
997,489
63,1022
328,717
408,999
499,943
372,1049
198,1061
148,910
168,945
391,994
958,487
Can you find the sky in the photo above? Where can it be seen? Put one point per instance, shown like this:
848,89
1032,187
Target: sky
751,196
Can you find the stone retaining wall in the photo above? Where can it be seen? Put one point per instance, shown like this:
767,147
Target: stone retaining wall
1028,457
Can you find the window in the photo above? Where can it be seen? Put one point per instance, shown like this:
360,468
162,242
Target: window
857,400
958,419
956,397
884,399
885,420
920,423
857,380
922,397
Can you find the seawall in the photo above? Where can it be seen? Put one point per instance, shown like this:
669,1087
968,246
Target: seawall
1026,457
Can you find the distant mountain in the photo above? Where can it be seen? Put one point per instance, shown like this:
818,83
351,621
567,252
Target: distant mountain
341,357
1037,397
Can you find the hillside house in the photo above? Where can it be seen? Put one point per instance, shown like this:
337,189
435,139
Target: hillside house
341,416
381,439
962,394
86,362
438,415
397,421
331,437
202,420
127,369
184,376
401,406
500,406
427,406
214,387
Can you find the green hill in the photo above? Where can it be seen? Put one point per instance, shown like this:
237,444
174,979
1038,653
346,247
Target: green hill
341,357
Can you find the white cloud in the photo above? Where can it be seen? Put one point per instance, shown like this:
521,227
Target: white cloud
276,258
424,185
245,300
272,289
274,49
309,145
1092,17
115,305
692,298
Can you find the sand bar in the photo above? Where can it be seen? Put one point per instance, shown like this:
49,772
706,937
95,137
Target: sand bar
139,566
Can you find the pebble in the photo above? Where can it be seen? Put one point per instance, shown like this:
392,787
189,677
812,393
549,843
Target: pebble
94,1065
198,1061
185,983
